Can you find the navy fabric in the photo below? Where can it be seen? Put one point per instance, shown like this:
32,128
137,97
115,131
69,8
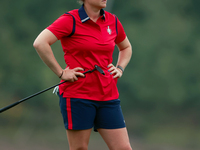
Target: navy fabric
74,25
87,114
83,15
116,25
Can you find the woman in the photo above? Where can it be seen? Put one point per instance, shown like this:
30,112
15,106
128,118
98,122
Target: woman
88,36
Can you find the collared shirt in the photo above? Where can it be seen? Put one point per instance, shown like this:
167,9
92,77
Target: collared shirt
91,44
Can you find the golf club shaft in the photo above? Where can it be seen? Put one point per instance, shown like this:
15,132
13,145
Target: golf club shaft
26,98
33,95
22,100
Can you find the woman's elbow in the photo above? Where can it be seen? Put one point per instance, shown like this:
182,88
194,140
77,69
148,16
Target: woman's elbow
45,38
130,49
36,44
39,45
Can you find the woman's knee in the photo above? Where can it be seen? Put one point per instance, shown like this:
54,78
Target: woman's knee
123,147
127,147
80,147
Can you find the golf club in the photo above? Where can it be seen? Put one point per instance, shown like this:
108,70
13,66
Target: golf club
22,100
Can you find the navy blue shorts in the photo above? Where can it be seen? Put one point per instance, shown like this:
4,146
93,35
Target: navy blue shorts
80,114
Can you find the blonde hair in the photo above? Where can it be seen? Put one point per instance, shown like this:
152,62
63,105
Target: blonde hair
81,1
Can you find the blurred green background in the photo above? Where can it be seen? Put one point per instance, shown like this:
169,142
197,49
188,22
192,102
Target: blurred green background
159,90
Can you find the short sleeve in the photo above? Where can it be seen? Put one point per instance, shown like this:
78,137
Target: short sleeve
62,26
121,35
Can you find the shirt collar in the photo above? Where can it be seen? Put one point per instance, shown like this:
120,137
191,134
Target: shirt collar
84,17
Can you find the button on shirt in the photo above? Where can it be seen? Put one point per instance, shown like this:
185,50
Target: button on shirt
91,44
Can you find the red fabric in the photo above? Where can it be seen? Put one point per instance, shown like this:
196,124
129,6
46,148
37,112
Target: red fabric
91,44
69,113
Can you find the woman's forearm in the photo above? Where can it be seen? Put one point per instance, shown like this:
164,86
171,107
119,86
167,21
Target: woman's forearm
47,56
124,57
125,53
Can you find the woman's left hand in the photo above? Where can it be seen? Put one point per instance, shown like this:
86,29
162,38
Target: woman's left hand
116,72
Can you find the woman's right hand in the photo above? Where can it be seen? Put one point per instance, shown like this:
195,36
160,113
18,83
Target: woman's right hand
72,75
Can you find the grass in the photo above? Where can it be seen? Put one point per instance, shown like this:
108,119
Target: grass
45,130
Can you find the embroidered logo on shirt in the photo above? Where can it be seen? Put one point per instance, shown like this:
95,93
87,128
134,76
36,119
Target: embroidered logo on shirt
109,30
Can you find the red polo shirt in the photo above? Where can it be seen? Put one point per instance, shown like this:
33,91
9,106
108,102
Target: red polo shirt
91,44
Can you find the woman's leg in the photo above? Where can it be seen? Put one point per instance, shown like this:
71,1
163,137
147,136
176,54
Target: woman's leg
116,139
78,139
